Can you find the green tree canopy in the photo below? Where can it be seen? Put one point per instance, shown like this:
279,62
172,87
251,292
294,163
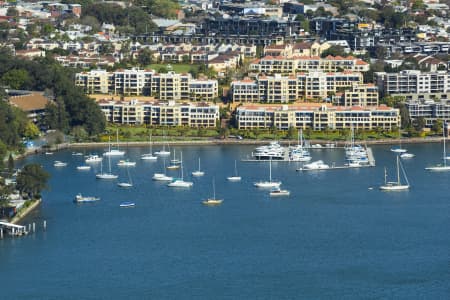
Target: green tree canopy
32,179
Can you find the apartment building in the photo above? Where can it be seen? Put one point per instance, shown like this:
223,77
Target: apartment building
361,95
413,81
285,89
160,113
291,65
429,110
135,82
317,117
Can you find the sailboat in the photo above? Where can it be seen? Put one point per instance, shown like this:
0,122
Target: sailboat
179,182
114,152
395,185
149,155
175,163
198,173
126,184
235,177
163,152
162,176
108,175
399,149
441,167
213,200
270,183
299,153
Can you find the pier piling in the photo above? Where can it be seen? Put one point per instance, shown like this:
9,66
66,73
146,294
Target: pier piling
1,233
45,224
34,227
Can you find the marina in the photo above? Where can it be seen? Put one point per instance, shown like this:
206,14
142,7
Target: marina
331,224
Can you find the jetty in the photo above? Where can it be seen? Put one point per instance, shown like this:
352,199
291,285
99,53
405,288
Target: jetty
12,229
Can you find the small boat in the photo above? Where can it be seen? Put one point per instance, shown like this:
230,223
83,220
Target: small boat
406,155
198,173
278,192
108,175
395,185
127,204
179,182
441,167
163,151
235,177
316,146
58,163
126,184
77,154
149,155
93,159
315,165
213,200
48,153
79,199
83,168
173,167
399,148
114,152
126,163
162,176
270,183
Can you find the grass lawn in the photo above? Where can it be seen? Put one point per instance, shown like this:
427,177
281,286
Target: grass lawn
177,68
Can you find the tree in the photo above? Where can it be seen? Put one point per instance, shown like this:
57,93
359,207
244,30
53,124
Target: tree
16,79
334,50
3,151
437,126
32,180
10,164
145,57
292,133
31,130
12,12
419,123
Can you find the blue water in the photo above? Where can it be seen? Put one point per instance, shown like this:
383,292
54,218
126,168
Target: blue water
332,238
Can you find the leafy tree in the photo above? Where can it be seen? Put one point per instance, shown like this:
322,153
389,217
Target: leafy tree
16,78
292,133
79,133
437,126
334,50
10,164
3,151
145,57
12,12
419,123
31,130
32,179
161,8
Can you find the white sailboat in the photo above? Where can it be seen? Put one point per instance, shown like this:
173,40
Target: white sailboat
441,167
108,175
163,151
399,148
277,192
149,155
179,182
114,152
175,163
126,184
83,168
270,183
198,173
395,185
162,176
235,177
213,200
93,158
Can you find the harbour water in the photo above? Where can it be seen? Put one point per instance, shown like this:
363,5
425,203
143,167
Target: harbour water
332,238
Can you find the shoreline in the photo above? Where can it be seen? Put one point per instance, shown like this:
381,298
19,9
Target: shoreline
25,211
214,142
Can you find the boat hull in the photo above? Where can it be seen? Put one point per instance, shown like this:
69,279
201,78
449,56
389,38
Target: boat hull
394,187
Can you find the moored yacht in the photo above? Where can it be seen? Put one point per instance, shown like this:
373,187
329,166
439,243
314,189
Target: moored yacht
315,165
270,183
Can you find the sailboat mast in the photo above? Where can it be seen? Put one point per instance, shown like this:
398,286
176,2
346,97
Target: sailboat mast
214,189
398,170
270,170
181,159
117,138
235,168
385,176
444,134
109,163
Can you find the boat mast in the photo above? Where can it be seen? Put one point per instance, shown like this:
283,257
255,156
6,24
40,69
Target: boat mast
443,133
270,170
235,168
214,188
385,176
109,163
181,159
398,171
117,138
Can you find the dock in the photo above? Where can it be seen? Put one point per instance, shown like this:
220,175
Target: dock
12,229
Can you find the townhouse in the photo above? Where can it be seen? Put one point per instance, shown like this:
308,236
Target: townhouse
285,89
317,117
429,110
167,113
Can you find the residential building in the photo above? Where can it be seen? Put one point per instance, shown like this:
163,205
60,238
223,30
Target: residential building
135,82
413,81
317,117
160,113
285,89
361,95
429,110
284,65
